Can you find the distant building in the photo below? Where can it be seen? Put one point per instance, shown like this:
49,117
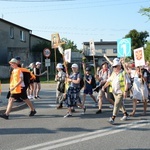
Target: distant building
16,40
108,48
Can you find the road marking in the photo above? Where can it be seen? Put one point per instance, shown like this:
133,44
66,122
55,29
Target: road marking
86,136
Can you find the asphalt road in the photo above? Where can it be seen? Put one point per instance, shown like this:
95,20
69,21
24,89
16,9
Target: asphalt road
49,130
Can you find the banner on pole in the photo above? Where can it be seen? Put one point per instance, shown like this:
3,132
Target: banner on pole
124,47
139,57
67,55
92,48
55,40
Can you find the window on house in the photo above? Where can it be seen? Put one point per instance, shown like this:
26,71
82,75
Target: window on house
114,50
11,34
22,36
103,51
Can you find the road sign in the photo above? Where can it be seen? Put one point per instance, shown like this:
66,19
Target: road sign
47,62
47,52
124,47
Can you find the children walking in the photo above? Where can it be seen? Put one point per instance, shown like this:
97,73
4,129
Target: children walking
88,86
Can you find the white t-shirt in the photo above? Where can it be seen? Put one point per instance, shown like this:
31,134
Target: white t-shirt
114,78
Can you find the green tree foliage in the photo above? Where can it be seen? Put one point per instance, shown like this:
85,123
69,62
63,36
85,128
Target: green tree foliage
145,12
147,51
69,44
138,39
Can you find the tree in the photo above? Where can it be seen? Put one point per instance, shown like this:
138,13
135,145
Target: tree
138,39
147,51
69,44
145,12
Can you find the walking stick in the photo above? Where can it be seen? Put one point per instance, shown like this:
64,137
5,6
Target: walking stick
94,65
55,60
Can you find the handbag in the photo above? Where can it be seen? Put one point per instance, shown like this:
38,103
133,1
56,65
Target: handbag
61,87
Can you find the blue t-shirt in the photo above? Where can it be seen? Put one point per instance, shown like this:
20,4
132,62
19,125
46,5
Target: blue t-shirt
88,78
75,76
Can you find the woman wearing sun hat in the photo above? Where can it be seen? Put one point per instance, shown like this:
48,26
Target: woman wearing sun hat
59,78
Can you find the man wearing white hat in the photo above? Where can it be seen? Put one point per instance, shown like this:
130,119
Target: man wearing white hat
17,89
119,82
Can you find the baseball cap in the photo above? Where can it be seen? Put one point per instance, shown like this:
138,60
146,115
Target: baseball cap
116,62
38,63
59,65
74,66
18,58
88,69
13,60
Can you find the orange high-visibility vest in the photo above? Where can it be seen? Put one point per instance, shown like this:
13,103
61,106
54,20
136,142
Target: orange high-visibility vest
14,79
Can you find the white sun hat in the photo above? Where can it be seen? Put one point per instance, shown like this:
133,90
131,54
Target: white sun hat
74,66
59,65
38,63
116,62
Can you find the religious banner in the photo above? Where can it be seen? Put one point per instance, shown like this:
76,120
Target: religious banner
67,55
55,40
92,48
139,57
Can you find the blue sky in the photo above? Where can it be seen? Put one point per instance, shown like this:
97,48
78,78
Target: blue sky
77,20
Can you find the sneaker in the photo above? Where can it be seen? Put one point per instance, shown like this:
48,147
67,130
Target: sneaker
32,97
4,116
32,113
99,111
124,118
111,121
38,97
68,115
35,97
29,97
84,110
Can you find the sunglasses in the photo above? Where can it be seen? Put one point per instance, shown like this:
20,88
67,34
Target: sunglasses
114,66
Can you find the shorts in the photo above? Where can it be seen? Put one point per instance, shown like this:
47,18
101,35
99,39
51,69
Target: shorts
102,93
37,81
88,91
22,95
31,81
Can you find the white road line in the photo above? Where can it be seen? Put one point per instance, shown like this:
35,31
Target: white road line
86,136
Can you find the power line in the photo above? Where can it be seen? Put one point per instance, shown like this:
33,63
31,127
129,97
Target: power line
35,0
70,6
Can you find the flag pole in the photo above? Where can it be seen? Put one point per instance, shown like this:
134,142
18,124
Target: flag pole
55,60
94,64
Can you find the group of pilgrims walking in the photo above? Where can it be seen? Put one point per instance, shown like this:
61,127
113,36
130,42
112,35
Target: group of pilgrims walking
115,81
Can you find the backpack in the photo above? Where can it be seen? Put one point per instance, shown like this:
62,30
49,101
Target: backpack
93,83
81,80
27,76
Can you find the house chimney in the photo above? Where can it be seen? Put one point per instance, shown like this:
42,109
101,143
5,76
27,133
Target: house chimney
101,40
